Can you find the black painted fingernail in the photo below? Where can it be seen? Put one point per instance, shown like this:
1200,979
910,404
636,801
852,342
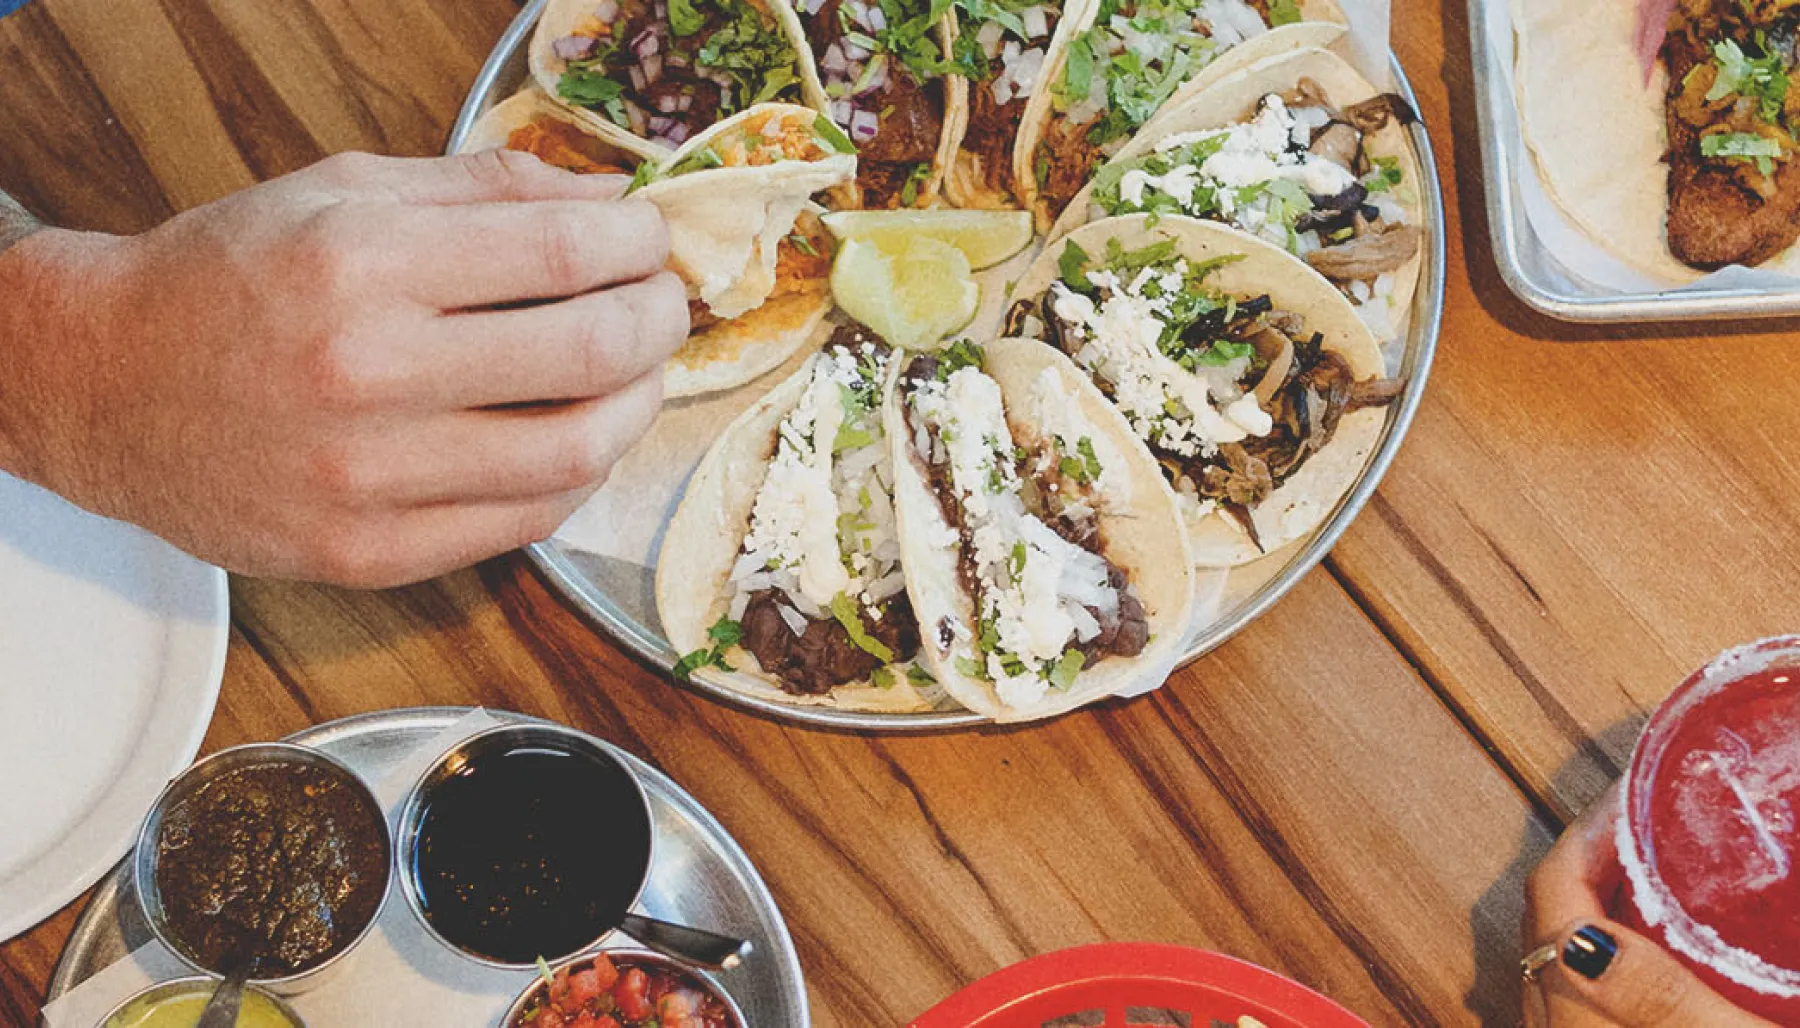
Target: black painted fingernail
1589,952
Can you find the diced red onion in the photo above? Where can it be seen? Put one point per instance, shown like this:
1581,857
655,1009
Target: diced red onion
1037,22
678,133
653,68
811,6
854,52
833,61
675,59
606,11
573,48
863,126
638,81
841,110
666,103
877,18
659,124
684,102
662,11
635,115
645,43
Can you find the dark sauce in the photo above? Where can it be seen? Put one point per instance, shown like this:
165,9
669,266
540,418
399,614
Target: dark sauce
283,861
529,853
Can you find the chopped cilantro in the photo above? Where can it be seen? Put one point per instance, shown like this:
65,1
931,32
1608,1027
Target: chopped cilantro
1222,352
1742,146
1385,176
1085,447
1072,266
909,193
1763,79
684,19
919,676
803,244
643,176
1017,561
1283,12
844,609
972,668
724,633
881,678
958,355
753,51
1063,672
700,160
588,87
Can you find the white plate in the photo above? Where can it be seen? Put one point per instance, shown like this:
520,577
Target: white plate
112,645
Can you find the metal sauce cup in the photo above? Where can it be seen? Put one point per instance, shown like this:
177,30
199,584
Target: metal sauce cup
144,861
507,739
202,987
642,957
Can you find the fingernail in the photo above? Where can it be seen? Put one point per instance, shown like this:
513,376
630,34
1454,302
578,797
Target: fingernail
1589,952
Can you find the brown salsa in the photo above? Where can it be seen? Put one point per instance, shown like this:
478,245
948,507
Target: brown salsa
284,860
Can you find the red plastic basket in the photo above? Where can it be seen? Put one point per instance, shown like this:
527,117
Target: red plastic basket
1126,985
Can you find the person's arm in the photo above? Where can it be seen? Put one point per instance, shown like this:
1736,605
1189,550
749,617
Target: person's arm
367,372
15,222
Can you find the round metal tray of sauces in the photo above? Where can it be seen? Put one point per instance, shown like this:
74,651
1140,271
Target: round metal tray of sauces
701,876
618,593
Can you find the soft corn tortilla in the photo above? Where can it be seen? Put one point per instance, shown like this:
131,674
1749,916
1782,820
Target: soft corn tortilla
1234,100
1323,23
702,543
1303,502
1146,540
494,129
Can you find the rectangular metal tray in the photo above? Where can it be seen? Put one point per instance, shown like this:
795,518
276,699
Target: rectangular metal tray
1526,265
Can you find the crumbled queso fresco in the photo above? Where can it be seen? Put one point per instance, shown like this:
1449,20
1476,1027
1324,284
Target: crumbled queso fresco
823,521
1036,586
1189,413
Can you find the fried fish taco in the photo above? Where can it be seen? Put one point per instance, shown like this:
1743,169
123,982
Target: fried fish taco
1250,377
1006,52
1043,552
1130,59
532,123
1298,150
666,70
746,238
883,66
780,574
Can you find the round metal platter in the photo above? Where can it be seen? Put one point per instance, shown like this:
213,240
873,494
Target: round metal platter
620,597
701,875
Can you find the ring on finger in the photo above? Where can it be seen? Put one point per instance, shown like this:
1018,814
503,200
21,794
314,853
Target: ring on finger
1534,962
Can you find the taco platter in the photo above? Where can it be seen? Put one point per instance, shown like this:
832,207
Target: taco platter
984,527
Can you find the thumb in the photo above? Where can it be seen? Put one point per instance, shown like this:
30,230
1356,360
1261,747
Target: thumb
1631,981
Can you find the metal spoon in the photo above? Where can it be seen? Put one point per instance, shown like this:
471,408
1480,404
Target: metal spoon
689,945
222,1010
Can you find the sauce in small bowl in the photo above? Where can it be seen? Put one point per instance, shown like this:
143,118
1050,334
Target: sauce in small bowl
524,842
179,1003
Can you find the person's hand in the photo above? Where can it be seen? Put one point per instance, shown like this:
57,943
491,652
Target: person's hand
332,376
1605,974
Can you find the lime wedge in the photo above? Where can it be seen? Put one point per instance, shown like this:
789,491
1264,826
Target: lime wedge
985,237
912,290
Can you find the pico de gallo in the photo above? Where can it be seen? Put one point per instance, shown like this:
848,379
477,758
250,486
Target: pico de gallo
603,993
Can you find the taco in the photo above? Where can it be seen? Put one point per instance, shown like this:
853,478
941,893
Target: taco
1130,59
1298,150
746,237
666,70
532,123
1006,51
1249,377
882,66
780,574
1043,552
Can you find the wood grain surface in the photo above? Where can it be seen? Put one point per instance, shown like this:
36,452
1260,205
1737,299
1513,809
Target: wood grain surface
1350,792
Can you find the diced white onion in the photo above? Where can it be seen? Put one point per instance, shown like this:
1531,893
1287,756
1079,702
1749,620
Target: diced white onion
796,624
1086,628
989,36
1037,22
606,11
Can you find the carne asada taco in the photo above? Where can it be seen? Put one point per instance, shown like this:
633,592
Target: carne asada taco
745,236
1298,150
532,123
883,66
1249,377
780,573
1130,59
665,70
1006,51
1044,554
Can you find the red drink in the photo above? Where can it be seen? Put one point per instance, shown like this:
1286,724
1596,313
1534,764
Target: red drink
1709,839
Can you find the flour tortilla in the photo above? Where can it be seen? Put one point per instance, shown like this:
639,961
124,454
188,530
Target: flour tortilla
1323,22
1146,539
1596,131
1303,502
492,130
703,541
1234,100
726,226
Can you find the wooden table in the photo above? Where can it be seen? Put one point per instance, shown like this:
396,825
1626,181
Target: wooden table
1349,792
